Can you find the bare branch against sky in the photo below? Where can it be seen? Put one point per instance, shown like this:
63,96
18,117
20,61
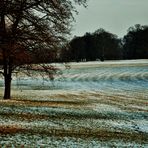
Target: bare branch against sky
115,16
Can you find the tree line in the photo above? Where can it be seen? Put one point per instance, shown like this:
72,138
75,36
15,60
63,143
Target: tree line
103,45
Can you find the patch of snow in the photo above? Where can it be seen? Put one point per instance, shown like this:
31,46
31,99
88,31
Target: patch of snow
106,108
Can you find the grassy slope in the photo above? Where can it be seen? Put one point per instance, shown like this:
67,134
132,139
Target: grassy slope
106,119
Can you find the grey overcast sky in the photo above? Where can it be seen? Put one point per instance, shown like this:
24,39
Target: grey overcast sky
115,16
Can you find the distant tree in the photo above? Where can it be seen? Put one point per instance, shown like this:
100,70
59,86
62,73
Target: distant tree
93,46
136,42
90,54
107,45
77,49
64,54
29,31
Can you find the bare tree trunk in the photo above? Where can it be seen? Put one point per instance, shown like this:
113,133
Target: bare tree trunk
6,60
7,77
7,91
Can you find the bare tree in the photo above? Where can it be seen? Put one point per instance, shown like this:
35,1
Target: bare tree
29,29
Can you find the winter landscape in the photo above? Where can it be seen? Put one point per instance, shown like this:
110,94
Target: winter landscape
91,105
73,73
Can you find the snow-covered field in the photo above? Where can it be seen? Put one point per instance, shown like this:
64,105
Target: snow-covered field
91,105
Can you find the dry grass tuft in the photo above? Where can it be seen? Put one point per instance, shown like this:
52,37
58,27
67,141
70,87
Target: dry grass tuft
11,129
37,103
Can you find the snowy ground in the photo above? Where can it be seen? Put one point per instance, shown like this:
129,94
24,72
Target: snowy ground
90,109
